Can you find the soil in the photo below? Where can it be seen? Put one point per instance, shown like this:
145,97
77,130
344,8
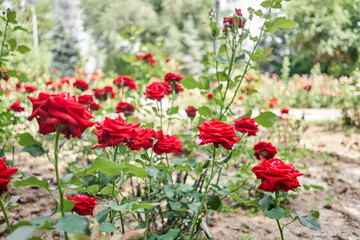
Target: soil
337,171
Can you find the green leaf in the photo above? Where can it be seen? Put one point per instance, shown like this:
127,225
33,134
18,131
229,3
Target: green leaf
214,202
20,28
22,78
102,215
93,189
214,29
246,115
266,4
21,233
276,213
283,22
73,224
32,181
105,166
118,208
205,111
25,139
219,59
173,110
189,83
227,158
246,203
34,150
23,49
266,119
239,58
11,16
265,202
12,43
137,206
317,187
42,223
169,235
203,83
259,54
68,206
107,227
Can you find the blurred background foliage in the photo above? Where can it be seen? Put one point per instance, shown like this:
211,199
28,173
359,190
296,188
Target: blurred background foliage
327,32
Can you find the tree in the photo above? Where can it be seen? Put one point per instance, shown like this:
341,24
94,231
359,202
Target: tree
64,51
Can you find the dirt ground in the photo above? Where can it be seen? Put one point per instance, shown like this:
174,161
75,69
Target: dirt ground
337,171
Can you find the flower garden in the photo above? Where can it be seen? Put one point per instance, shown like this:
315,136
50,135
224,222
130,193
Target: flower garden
158,153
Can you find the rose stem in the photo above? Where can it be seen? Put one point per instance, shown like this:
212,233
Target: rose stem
196,217
6,216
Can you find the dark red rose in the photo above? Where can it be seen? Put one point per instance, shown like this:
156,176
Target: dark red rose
95,106
152,62
51,110
158,90
167,59
16,107
308,87
86,99
30,89
110,90
265,150
284,110
148,57
5,174
231,22
81,84
65,79
122,81
178,88
238,12
173,77
166,144
246,125
124,107
111,132
100,94
50,82
217,132
84,205
143,139
191,111
276,175
3,75
19,85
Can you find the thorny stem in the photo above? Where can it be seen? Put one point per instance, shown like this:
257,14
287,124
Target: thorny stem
277,220
247,66
58,180
149,198
196,217
6,217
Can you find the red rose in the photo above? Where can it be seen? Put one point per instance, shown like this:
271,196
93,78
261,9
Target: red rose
100,94
16,107
86,99
5,174
284,110
81,84
65,79
281,118
217,132
173,77
147,57
276,175
122,81
111,132
191,111
209,95
166,144
51,110
50,82
95,106
158,90
143,139
273,102
265,150
246,125
84,205
30,89
125,108
3,75
178,88
110,90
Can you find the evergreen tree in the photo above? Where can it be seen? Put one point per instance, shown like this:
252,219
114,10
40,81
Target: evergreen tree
65,54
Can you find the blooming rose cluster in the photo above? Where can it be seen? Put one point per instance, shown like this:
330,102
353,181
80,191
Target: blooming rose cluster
174,80
275,175
103,93
5,174
124,81
51,110
158,90
112,132
232,22
148,57
81,84
84,205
